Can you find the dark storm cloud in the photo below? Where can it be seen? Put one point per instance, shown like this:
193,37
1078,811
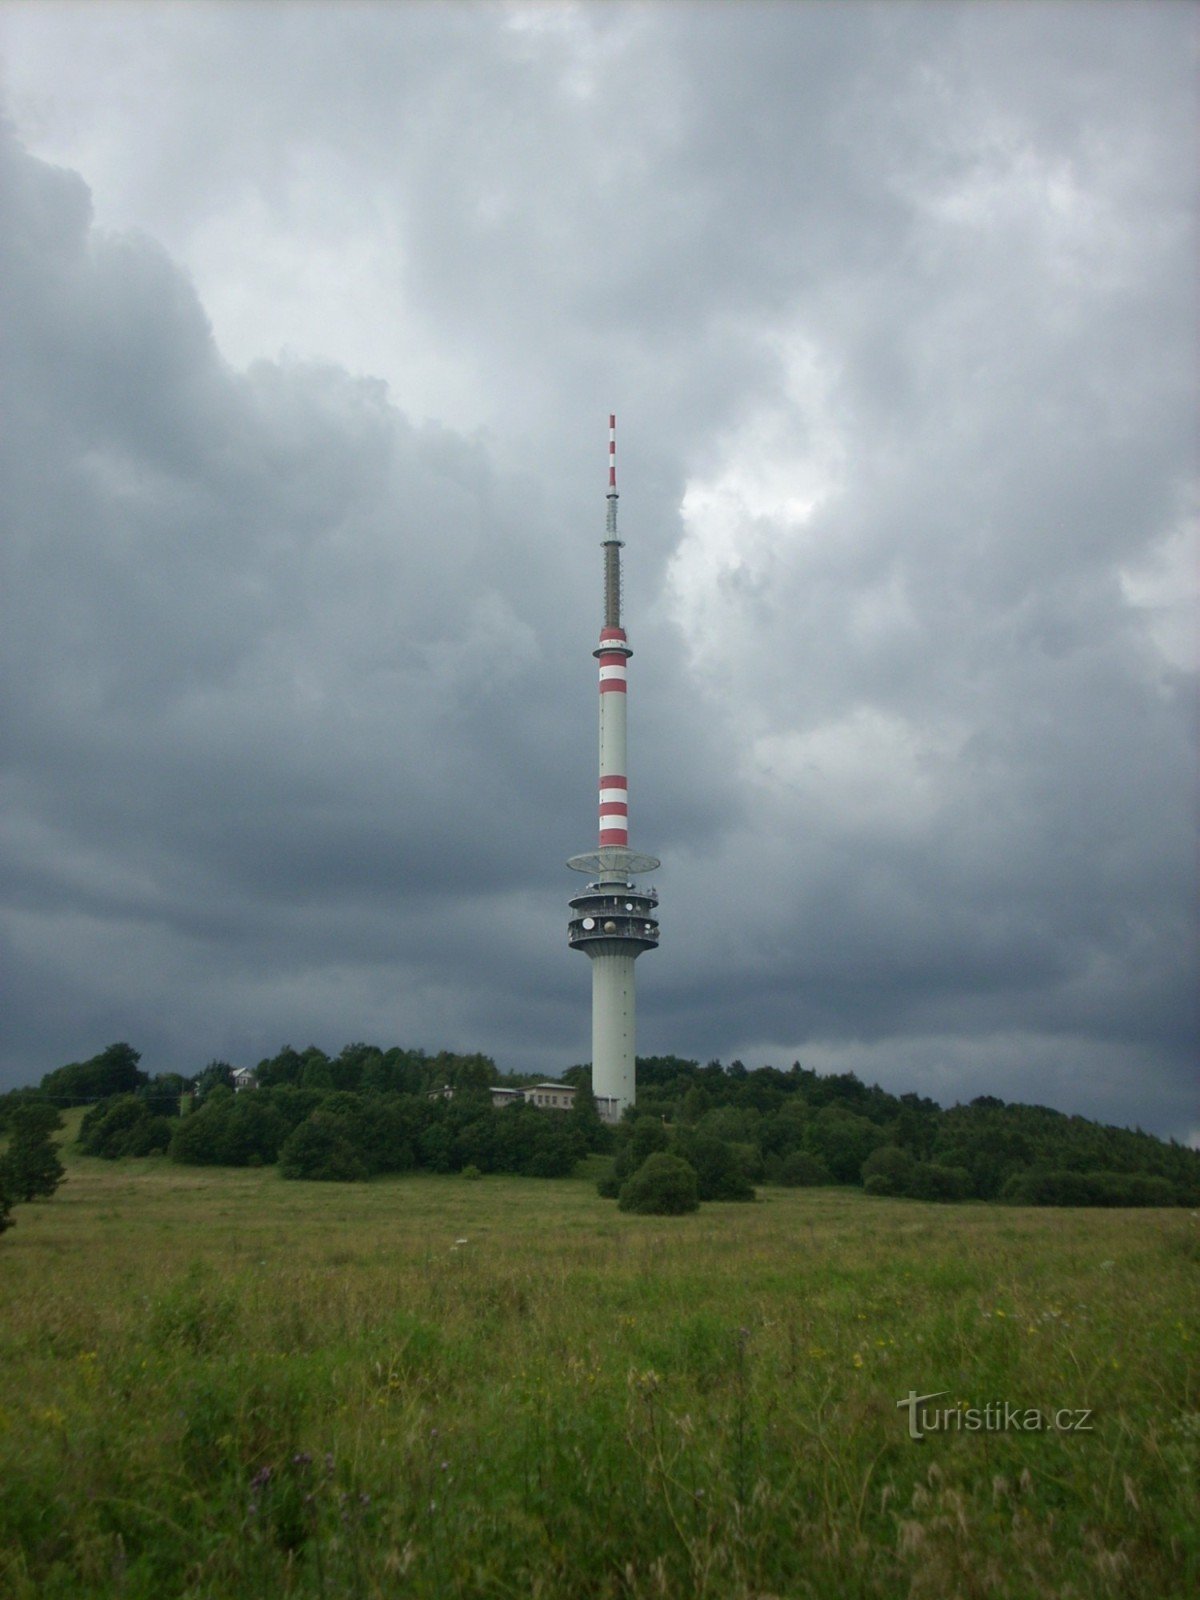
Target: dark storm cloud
260,660
894,303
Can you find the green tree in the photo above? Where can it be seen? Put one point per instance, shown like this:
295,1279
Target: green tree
216,1075
889,1170
196,1140
719,1173
107,1128
113,1071
283,1068
163,1093
318,1071
843,1139
31,1162
319,1149
584,1120
932,1181
638,1137
803,1170
664,1185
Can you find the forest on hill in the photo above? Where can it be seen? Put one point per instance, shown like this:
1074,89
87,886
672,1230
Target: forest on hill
369,1110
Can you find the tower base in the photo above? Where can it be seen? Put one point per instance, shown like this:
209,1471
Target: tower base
613,1031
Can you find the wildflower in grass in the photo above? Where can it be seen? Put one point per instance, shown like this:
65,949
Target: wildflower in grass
858,1360
258,1483
645,1383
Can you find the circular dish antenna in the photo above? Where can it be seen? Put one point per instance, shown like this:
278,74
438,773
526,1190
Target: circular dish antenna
589,922
613,861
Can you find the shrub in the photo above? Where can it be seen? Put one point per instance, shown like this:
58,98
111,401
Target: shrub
609,1186
197,1139
230,1131
843,1140
664,1185
933,1182
126,1125
803,1170
556,1159
1090,1189
637,1138
719,1173
888,1170
317,1149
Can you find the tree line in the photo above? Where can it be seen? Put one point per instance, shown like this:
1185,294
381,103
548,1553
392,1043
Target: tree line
369,1110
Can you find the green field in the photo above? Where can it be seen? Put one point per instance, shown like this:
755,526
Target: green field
218,1383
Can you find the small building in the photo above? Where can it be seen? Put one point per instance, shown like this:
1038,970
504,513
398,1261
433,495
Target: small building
244,1078
551,1096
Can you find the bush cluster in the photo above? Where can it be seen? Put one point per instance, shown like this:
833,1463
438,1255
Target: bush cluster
126,1125
800,1128
1089,1189
664,1185
345,1136
383,1111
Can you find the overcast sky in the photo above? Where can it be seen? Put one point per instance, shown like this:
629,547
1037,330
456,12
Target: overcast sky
312,318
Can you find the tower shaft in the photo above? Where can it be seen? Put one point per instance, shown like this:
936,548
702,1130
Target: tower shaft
613,920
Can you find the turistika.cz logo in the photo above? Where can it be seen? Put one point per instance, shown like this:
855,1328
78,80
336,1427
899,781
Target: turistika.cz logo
998,1416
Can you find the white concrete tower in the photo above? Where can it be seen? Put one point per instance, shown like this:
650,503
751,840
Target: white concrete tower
613,920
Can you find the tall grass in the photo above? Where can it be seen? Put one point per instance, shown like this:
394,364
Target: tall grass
219,1384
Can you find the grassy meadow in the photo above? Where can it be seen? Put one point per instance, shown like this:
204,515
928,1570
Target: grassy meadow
218,1383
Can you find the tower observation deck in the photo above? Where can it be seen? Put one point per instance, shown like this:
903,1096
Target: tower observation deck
613,920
